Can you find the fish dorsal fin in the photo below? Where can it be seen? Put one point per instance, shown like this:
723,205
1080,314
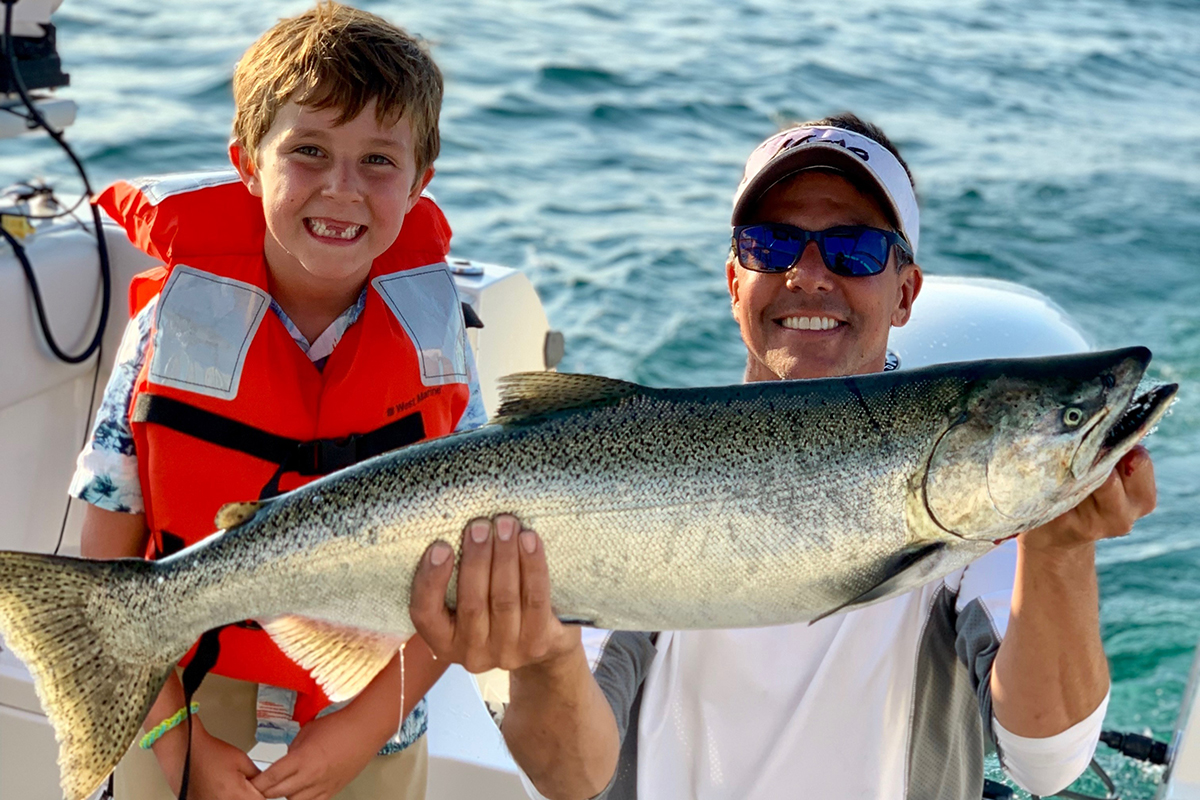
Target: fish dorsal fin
231,515
342,660
526,395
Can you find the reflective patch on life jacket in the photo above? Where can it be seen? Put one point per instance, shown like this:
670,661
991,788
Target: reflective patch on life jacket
157,189
203,330
426,303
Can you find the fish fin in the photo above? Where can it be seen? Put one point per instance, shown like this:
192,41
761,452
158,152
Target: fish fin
527,395
343,660
231,515
898,577
52,615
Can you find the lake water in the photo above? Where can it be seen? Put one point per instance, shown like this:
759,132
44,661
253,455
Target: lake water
596,147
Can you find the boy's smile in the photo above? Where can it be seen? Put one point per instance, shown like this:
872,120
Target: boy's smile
334,196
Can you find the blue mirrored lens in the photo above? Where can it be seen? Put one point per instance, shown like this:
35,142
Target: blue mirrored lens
855,253
851,251
768,249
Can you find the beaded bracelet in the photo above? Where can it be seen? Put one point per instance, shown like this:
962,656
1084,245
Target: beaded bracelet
173,721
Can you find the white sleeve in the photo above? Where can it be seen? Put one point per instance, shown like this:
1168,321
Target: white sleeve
1049,765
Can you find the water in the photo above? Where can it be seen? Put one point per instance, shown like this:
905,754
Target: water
596,146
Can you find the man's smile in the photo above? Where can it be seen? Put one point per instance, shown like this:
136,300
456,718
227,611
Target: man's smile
815,323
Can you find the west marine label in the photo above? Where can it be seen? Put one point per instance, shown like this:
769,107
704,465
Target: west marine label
203,332
425,302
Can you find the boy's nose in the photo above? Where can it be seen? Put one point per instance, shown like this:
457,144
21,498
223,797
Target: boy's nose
809,273
342,181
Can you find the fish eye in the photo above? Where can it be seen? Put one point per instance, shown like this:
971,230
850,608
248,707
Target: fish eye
1072,417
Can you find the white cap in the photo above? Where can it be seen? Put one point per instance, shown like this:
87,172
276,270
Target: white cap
798,149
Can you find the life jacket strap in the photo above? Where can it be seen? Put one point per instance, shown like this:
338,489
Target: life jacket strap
202,662
313,457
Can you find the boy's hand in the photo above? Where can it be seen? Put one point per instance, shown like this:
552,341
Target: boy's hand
503,616
323,759
219,770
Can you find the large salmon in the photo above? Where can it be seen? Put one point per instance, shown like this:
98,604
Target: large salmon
659,509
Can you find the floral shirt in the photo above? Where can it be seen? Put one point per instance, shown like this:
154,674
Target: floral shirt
106,476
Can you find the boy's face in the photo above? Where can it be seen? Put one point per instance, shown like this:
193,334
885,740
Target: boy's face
334,196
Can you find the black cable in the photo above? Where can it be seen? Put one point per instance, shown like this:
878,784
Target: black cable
95,346
101,246
1143,748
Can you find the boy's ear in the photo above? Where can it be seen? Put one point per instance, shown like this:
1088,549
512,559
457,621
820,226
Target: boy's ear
418,187
243,162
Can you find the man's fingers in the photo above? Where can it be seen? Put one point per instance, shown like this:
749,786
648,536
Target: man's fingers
473,610
427,603
537,618
505,590
1137,476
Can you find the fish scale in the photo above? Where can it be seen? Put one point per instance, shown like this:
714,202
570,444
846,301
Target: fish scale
659,509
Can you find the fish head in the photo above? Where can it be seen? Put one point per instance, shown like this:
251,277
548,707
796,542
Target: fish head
1032,439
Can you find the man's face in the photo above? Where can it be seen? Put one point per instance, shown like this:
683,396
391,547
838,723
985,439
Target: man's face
809,322
334,196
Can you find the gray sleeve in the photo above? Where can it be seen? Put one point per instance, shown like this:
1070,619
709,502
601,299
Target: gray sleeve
620,671
976,642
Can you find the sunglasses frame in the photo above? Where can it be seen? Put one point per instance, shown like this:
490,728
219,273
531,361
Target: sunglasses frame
892,238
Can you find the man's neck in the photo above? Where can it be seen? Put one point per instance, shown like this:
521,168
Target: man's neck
757,371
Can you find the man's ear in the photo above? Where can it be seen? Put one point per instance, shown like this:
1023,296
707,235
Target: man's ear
906,293
731,279
243,162
418,187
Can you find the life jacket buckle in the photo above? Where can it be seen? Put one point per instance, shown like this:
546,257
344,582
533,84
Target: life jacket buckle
328,455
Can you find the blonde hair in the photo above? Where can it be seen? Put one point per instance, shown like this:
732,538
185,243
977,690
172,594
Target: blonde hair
335,56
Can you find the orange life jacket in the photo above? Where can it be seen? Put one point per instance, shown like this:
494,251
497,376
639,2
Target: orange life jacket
228,408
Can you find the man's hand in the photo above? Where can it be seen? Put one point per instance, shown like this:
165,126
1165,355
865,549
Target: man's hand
1128,495
503,616
1050,672
559,727
219,771
323,759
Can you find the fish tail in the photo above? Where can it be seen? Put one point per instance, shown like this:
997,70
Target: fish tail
56,614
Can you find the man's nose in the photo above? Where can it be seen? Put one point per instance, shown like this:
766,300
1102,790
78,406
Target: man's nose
809,273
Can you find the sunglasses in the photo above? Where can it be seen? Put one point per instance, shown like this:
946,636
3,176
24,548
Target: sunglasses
852,251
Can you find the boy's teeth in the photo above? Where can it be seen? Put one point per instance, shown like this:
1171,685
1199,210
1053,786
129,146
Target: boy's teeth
321,229
809,323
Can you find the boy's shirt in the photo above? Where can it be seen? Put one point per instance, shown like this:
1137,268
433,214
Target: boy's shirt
106,476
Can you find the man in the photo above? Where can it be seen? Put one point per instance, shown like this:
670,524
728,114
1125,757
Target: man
896,700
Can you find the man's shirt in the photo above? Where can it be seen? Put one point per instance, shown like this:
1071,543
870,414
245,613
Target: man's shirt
887,702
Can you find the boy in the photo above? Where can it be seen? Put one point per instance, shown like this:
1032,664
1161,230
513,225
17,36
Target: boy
294,329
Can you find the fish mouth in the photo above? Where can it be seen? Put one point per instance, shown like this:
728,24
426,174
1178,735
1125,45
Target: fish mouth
1141,414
